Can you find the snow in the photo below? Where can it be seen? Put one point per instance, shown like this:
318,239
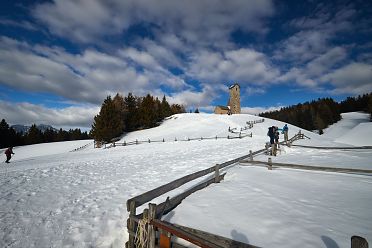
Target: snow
51,197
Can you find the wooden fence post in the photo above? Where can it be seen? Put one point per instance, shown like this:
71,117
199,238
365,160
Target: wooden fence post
164,239
136,142
149,141
250,155
358,242
270,165
163,140
151,228
131,224
217,173
125,143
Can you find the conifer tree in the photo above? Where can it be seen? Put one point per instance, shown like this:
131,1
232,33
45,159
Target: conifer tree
34,135
107,124
130,112
4,134
165,108
147,114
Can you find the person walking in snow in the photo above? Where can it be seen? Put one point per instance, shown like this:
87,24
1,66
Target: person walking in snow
285,132
8,153
276,138
271,134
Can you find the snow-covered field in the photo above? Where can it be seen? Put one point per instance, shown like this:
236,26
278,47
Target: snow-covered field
51,197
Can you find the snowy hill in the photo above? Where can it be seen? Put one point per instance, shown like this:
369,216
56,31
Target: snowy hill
347,130
51,197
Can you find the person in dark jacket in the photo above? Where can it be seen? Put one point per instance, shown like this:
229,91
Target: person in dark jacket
8,153
271,134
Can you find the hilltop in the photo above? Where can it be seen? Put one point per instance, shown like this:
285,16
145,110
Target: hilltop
51,196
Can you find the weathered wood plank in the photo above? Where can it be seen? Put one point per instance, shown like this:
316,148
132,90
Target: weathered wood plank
216,239
358,242
198,237
183,234
167,206
335,147
149,195
310,167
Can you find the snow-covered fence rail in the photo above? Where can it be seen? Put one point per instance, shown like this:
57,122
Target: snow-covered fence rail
149,219
309,167
171,203
82,147
249,126
336,147
138,142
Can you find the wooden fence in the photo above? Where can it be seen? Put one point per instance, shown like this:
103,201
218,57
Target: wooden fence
240,134
82,147
138,142
270,165
158,233
154,212
336,147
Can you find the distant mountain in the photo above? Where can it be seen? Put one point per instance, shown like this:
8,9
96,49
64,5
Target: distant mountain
24,129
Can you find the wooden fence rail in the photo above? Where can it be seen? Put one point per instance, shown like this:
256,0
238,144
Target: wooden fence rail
138,142
82,147
309,167
336,147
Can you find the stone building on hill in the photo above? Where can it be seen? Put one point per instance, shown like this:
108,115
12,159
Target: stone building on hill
233,105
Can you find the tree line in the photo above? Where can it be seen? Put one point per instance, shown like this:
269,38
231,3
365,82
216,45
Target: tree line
125,114
9,137
319,114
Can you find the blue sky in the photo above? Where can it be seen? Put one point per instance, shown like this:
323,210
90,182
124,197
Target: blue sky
59,59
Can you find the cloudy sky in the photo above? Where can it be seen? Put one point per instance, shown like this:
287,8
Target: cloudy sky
59,59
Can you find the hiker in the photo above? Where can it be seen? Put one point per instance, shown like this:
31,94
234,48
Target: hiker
271,134
8,153
276,138
285,132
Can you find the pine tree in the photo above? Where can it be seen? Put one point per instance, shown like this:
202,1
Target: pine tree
34,135
165,108
107,124
147,114
130,112
121,108
4,134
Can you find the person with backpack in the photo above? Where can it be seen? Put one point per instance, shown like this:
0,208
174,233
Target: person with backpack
285,132
276,139
271,134
8,153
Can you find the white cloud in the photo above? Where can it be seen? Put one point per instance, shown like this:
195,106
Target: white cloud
308,75
353,78
258,110
202,98
27,113
241,65
86,77
315,33
199,21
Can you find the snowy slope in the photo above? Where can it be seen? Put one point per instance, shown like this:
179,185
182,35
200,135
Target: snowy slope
344,127
51,197
44,149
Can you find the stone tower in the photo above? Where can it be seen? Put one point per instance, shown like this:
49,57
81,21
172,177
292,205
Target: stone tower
234,100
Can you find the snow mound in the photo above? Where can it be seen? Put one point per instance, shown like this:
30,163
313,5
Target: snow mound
347,123
358,136
43,149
